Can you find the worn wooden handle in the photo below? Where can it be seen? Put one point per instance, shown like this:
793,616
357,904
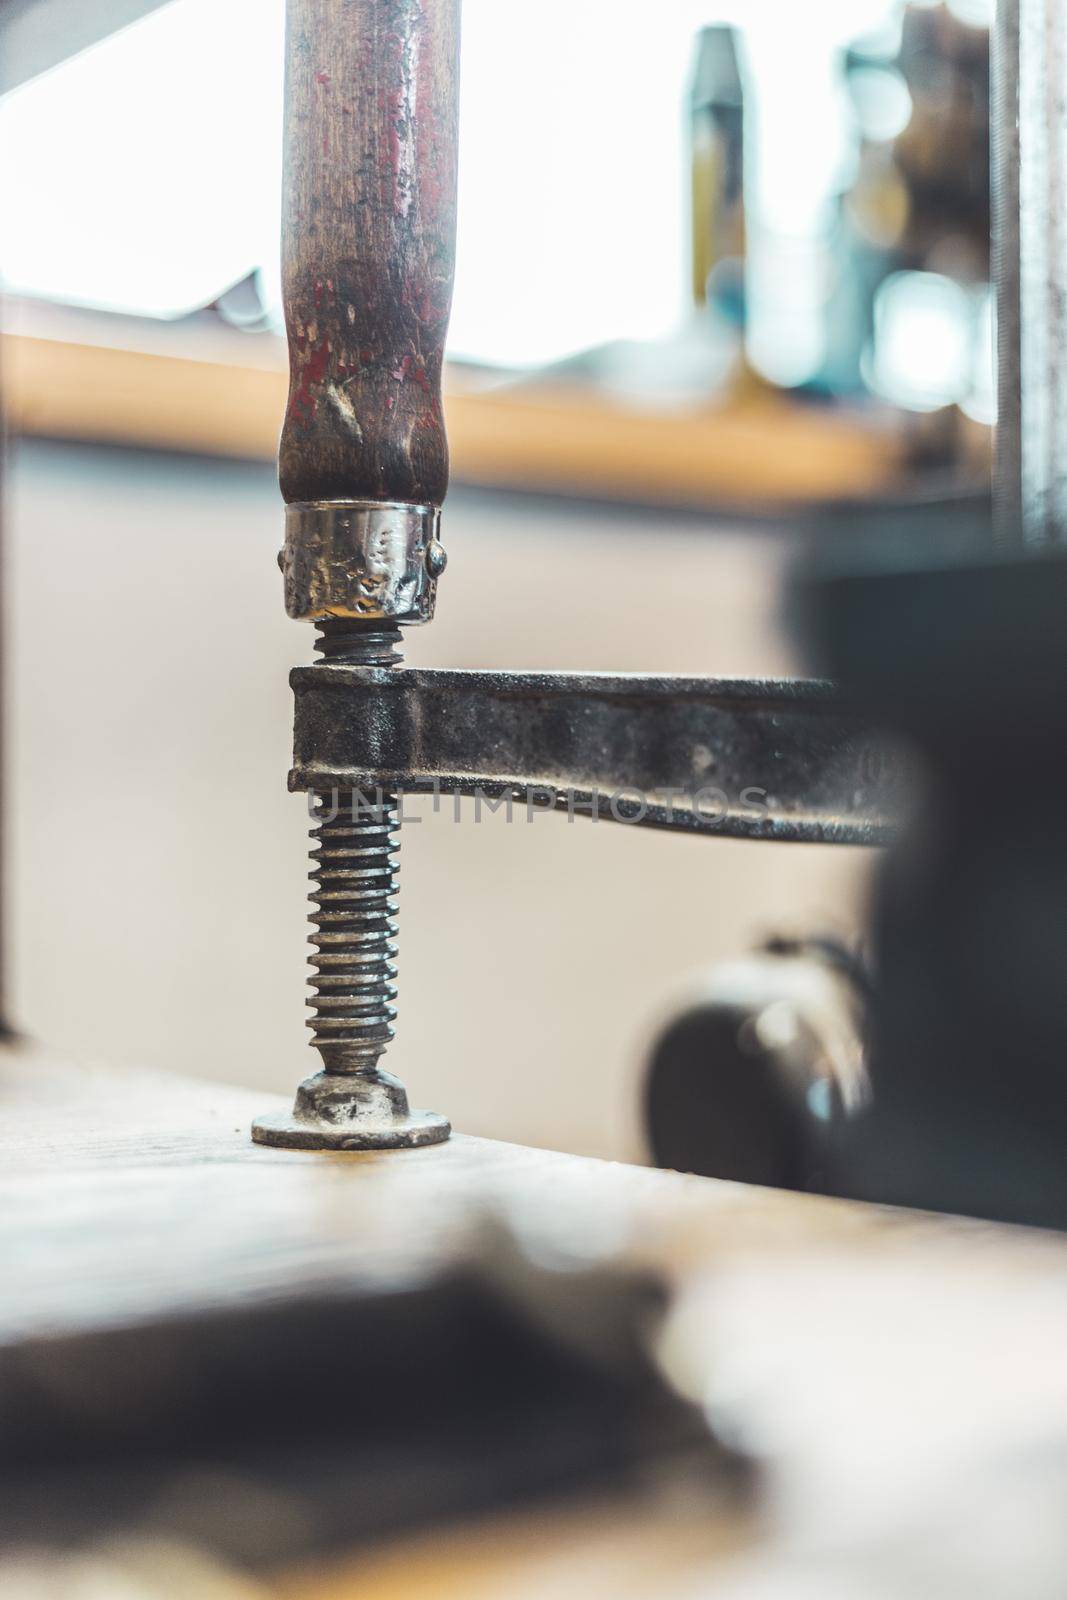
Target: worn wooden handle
368,246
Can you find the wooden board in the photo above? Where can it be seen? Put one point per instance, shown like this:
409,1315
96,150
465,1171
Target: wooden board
902,1376
225,396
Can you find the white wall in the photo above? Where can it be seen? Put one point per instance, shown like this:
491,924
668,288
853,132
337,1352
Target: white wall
156,861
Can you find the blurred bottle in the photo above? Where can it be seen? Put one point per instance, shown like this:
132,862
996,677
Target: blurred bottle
932,345
884,289
717,173
871,218
943,152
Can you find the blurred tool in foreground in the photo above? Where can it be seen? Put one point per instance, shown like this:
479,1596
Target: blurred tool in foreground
264,1434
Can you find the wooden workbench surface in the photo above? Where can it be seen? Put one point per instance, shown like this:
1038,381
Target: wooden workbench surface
903,1377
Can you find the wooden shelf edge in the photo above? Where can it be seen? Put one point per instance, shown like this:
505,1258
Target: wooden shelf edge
558,440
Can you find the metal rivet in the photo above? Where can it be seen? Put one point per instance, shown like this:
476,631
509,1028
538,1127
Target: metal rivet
436,558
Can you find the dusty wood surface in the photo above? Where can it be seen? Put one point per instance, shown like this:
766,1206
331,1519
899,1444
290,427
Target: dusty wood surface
126,1195
902,1376
368,246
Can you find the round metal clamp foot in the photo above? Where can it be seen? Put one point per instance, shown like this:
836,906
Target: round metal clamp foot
288,1133
336,1111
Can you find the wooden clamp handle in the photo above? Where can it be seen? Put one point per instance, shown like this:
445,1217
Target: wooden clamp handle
368,246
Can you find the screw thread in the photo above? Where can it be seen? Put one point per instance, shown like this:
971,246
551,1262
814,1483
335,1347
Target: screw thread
354,872
342,642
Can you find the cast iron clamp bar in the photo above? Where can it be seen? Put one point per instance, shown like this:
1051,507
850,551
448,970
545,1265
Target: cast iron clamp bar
753,759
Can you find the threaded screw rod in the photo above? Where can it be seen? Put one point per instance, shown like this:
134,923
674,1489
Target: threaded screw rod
354,872
353,1104
355,952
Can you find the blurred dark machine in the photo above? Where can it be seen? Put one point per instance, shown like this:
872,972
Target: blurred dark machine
961,656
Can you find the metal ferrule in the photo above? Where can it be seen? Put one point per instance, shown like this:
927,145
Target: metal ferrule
369,560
